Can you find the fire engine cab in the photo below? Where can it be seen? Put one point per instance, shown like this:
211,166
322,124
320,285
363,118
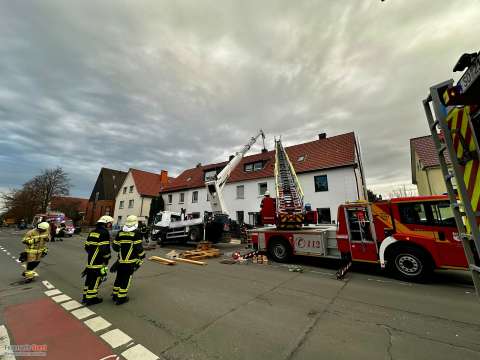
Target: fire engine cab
408,236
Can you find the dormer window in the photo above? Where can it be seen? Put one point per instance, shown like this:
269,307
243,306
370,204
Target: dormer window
301,158
255,166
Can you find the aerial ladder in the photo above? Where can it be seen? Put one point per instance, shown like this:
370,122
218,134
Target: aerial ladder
289,192
455,127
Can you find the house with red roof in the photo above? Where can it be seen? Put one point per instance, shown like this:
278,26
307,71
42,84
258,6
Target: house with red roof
135,195
425,165
329,170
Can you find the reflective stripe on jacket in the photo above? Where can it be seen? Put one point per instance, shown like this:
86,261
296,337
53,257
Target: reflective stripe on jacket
97,247
128,244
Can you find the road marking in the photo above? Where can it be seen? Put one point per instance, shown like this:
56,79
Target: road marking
139,352
82,313
97,323
61,298
71,305
53,292
8,253
48,285
116,338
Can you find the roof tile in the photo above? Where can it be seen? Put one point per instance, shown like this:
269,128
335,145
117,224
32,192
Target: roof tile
425,148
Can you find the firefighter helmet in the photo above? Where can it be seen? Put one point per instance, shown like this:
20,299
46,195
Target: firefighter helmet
105,219
43,225
132,220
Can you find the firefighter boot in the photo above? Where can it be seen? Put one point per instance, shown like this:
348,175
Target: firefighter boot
93,301
122,300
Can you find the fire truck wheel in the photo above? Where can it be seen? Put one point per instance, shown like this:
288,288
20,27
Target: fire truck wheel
409,263
194,235
280,250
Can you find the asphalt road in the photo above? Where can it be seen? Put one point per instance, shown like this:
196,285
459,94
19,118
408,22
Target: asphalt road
258,311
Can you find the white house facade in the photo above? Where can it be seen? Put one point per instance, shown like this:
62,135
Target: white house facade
135,195
324,189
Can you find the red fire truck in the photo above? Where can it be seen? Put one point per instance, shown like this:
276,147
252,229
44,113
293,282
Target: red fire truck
409,237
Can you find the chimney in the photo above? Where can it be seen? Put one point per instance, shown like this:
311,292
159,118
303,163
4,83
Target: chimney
322,136
198,165
230,158
164,177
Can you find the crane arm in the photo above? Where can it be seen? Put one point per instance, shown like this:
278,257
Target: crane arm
215,186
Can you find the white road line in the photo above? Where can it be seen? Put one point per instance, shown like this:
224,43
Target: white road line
82,313
61,298
116,338
53,292
71,305
139,352
4,343
97,323
48,285
8,253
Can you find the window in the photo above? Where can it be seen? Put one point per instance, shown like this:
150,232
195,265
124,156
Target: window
240,217
324,216
130,204
131,189
121,205
240,192
194,196
445,214
189,178
195,215
182,198
210,175
107,210
301,158
414,213
170,198
321,183
262,188
256,166
125,190
119,219
253,218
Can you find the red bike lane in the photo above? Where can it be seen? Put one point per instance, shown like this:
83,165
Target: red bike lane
42,322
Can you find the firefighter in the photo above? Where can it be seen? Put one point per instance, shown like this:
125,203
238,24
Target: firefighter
35,249
97,247
128,244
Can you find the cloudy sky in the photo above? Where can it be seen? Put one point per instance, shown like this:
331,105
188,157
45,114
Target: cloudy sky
166,84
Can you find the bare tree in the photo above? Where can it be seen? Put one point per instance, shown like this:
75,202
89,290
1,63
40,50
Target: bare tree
36,194
404,190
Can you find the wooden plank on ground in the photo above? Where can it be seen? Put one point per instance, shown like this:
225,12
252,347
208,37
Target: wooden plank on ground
188,261
162,260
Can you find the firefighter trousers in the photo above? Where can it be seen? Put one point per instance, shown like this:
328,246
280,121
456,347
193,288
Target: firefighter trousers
92,282
123,280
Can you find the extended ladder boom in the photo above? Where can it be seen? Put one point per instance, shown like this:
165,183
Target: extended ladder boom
289,192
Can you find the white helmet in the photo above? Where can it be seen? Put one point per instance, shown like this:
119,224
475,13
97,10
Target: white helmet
43,225
266,193
132,220
105,219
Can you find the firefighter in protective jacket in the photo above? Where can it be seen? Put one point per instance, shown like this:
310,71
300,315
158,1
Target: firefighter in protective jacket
35,248
97,247
128,244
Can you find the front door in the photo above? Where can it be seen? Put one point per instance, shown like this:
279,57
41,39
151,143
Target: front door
363,246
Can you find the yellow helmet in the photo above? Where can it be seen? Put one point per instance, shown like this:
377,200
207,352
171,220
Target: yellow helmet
105,219
43,226
131,220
